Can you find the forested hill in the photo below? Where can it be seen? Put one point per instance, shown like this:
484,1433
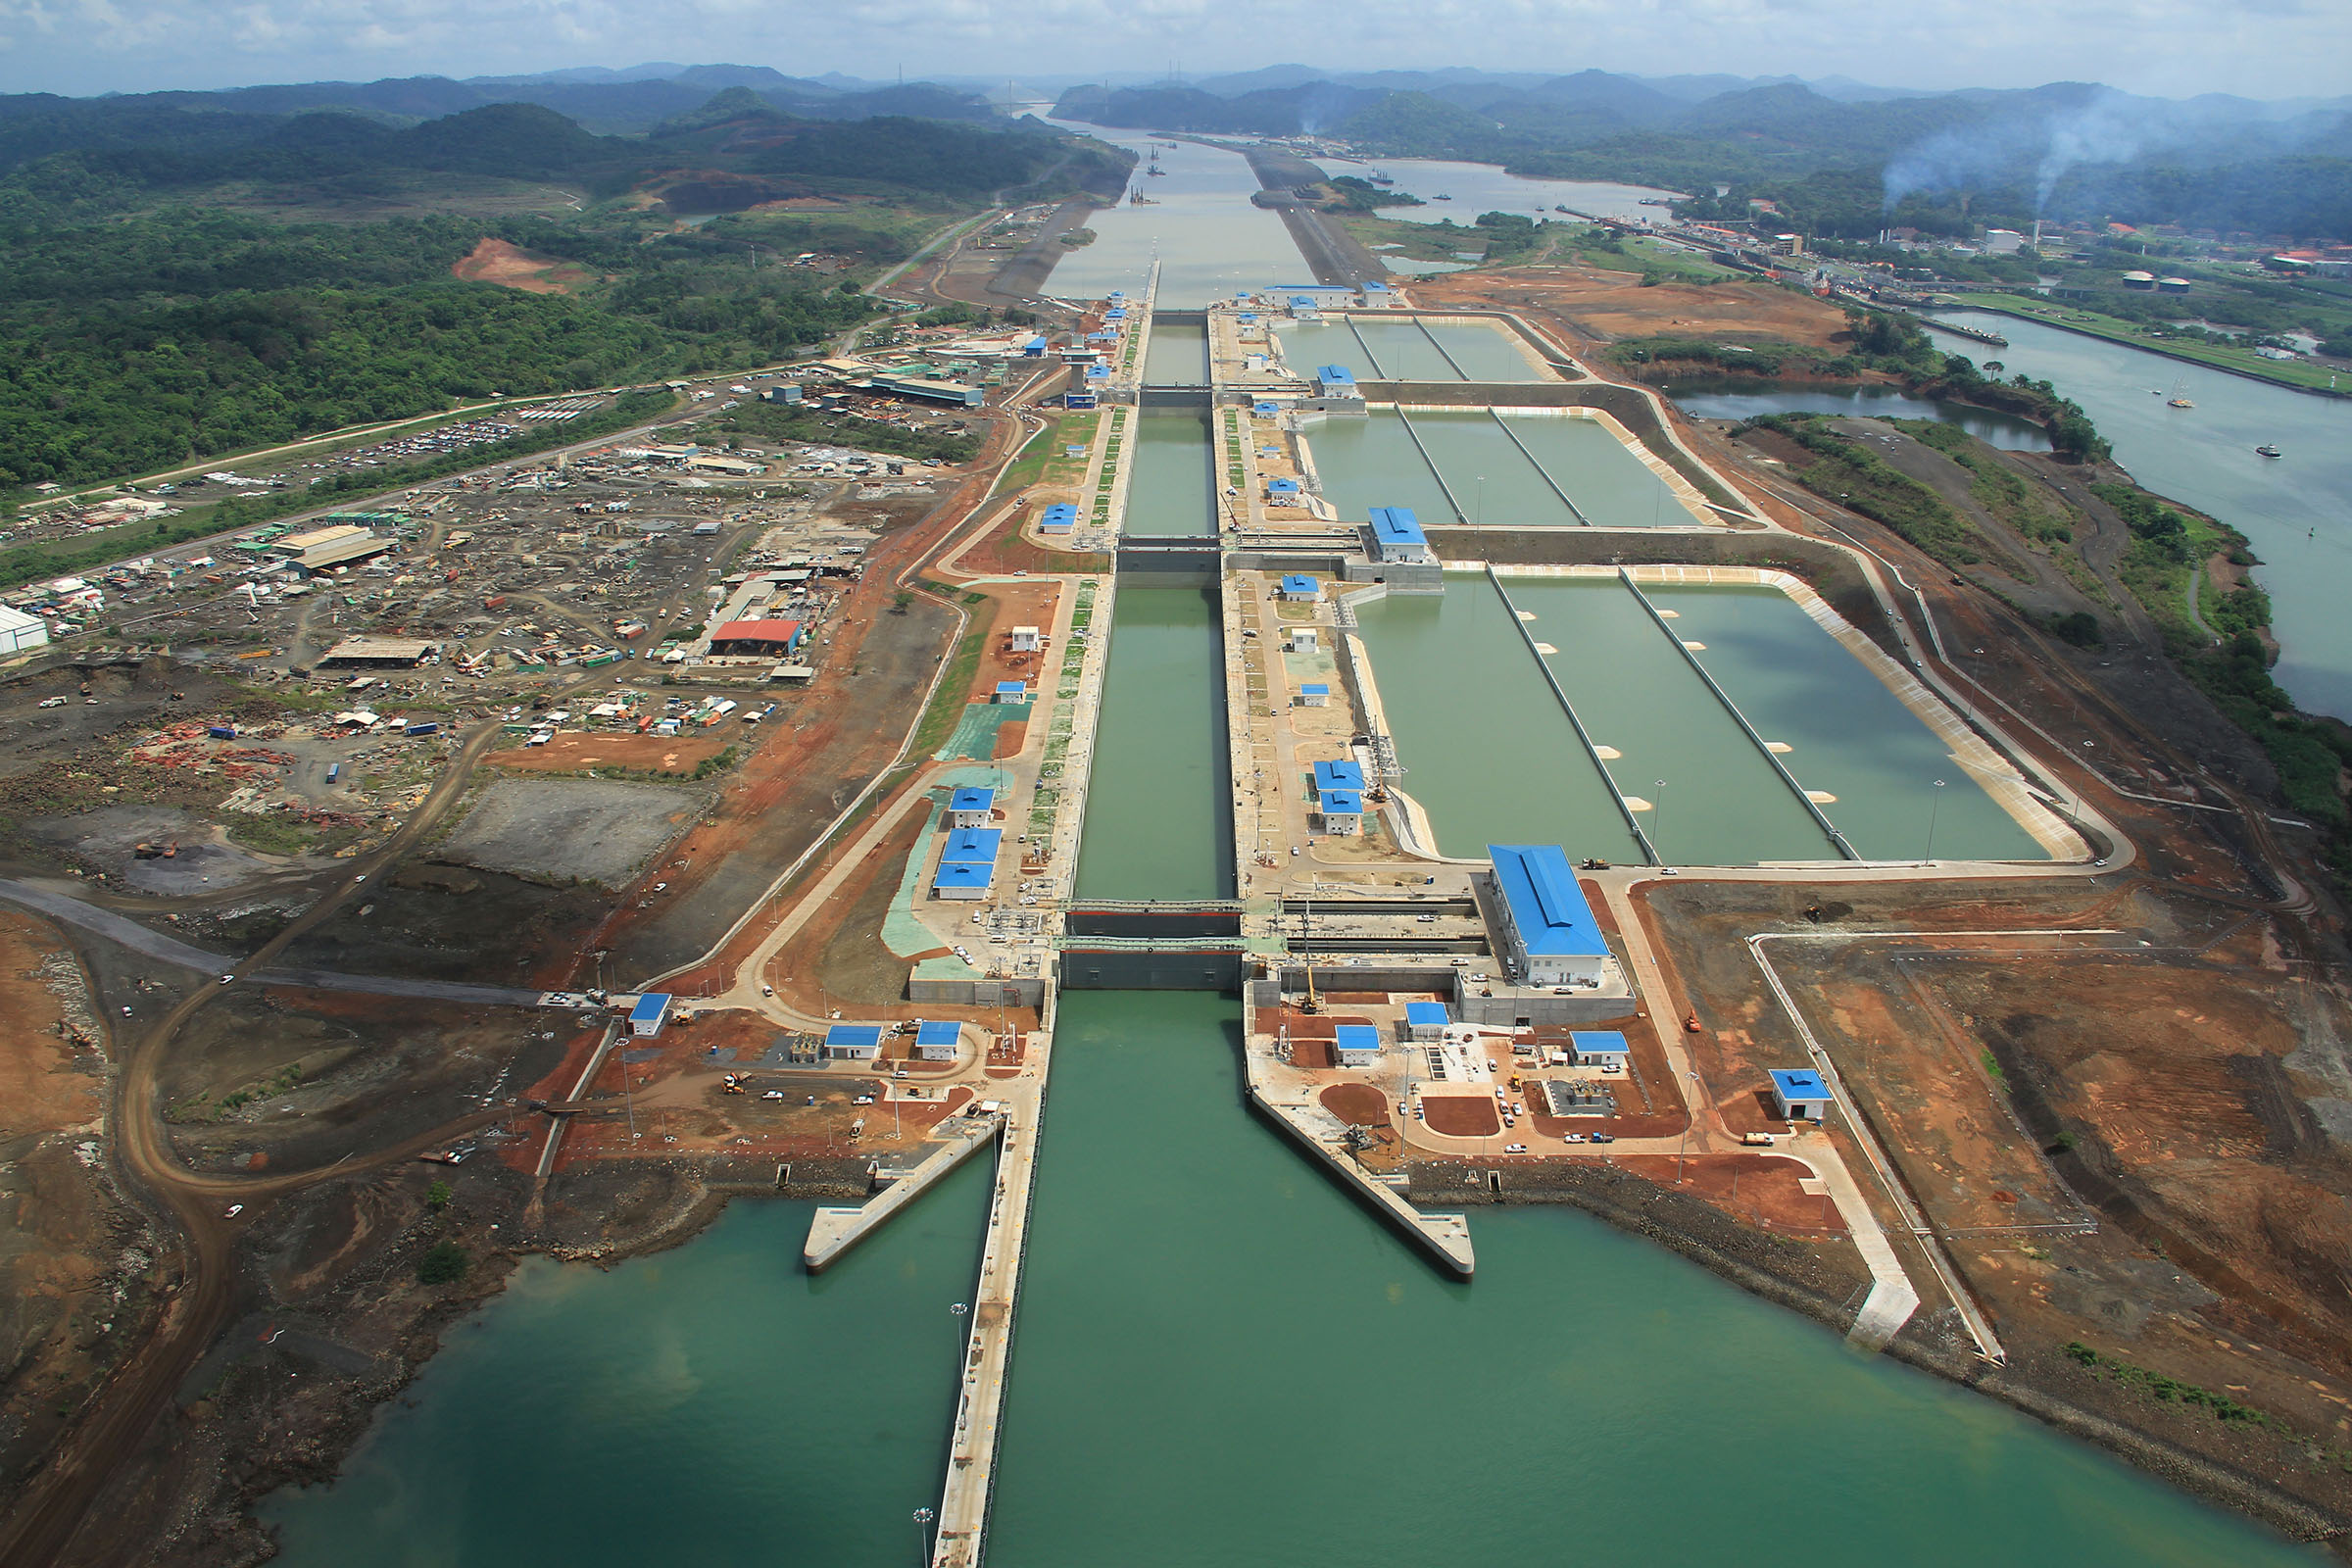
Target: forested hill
165,295
1835,162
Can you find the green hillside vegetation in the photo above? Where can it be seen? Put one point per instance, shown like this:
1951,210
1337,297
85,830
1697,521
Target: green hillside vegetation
141,330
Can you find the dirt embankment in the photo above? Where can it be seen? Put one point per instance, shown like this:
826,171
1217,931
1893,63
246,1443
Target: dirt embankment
1592,308
510,265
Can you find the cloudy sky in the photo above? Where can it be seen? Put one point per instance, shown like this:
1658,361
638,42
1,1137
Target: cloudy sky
2259,48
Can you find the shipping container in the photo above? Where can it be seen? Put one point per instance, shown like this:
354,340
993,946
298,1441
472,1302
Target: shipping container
426,728
334,772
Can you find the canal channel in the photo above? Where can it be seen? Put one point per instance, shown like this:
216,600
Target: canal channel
1222,1357
2295,509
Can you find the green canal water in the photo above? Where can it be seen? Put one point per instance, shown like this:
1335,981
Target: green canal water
712,1404
1715,798
1541,473
1405,350
1491,757
1173,488
1223,1358
1159,754
1176,356
1743,397
1850,734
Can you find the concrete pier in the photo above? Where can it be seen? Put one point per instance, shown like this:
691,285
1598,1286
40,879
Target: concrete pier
971,1478
832,1232
1445,1238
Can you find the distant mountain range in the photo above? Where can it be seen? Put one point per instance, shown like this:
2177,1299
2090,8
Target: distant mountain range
622,102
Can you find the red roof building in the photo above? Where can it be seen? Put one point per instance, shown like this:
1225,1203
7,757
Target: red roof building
759,638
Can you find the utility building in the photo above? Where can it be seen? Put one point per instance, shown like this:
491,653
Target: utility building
1396,537
1355,1045
1800,1094
1316,694
971,807
1599,1048
1425,1021
1301,589
854,1042
1015,691
649,1014
936,1042
967,864
1545,930
1335,383
1343,812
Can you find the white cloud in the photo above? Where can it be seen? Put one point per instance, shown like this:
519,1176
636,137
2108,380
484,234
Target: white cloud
2263,48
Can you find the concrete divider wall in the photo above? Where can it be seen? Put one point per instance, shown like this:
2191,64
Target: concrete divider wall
1828,569
1021,992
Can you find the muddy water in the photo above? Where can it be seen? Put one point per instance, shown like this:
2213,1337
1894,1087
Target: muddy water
1210,242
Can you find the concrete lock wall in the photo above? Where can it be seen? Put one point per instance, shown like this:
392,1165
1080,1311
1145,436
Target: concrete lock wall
1143,969
1029,992
1151,923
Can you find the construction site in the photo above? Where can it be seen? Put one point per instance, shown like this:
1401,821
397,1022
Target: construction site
1555,804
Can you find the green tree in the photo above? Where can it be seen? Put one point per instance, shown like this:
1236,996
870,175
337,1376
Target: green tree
445,1262
436,1197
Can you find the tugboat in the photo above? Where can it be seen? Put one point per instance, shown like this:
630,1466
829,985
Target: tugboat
2268,450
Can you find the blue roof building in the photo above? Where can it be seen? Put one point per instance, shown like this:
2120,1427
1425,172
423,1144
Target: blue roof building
1297,586
1343,810
1336,381
937,1041
1264,409
1801,1095
1396,535
650,1014
854,1042
1599,1048
1013,691
971,807
1355,1045
964,879
1424,1020
1316,694
1338,775
1283,490
974,844
1548,936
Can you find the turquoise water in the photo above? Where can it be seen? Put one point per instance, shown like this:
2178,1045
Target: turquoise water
710,1405
1611,486
1368,461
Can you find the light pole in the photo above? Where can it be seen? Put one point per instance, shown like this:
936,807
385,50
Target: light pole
1657,819
922,1530
1479,514
1935,802
1690,1116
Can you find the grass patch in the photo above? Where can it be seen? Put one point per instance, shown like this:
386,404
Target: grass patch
2221,356
1845,472
955,686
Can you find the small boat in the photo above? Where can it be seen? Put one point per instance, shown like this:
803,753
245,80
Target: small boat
2179,398
2182,402
1441,197
2268,450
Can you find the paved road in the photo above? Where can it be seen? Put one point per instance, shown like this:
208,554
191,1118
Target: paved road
128,933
